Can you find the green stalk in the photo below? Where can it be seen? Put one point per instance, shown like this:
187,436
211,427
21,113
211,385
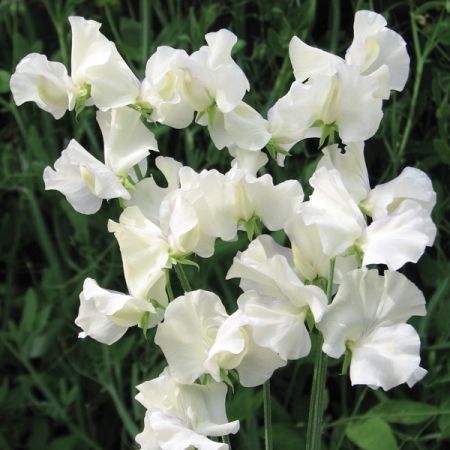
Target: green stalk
267,416
226,440
315,417
184,281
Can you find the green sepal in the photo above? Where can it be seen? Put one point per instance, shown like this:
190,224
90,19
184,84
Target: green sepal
143,110
144,322
253,227
226,379
83,96
320,282
127,183
273,150
346,362
156,304
186,262
211,111
357,252
204,379
310,322
328,131
122,203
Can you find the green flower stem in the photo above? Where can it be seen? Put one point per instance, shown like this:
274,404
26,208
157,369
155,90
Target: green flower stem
315,417
184,281
267,416
226,440
169,286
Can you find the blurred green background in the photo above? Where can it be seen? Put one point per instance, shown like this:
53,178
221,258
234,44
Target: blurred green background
61,393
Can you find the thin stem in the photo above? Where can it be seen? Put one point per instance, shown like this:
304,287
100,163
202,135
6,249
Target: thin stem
184,281
315,417
169,286
420,62
354,412
226,440
267,416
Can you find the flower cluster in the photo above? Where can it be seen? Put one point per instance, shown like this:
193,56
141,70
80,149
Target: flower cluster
342,237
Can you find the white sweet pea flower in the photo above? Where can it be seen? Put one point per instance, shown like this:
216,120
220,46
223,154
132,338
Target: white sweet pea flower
106,315
308,62
144,249
398,237
276,302
216,79
332,209
44,82
242,127
180,416
165,85
188,332
189,220
219,343
310,261
127,141
411,184
401,225
379,52
371,313
83,180
235,348
98,68
292,117
344,99
351,167
258,197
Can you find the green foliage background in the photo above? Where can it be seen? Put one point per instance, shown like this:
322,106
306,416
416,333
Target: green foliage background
61,393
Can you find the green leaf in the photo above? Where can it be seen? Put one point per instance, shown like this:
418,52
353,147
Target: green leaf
403,411
4,81
371,434
29,312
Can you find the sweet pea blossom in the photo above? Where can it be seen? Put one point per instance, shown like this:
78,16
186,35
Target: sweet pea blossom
217,81
106,315
44,82
180,416
379,52
219,342
83,180
401,225
127,141
242,127
97,69
310,262
343,99
275,301
347,94
368,317
165,86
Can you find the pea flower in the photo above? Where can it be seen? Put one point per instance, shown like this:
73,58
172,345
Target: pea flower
127,141
368,318
180,416
219,343
106,315
44,82
83,180
98,70
379,52
401,225
242,127
217,81
275,301
165,86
